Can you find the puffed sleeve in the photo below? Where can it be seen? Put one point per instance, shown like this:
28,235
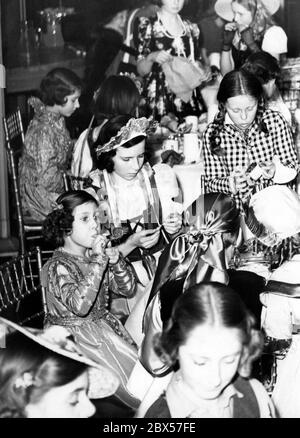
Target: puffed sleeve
275,41
283,142
122,279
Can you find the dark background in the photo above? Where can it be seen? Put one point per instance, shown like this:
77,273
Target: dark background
95,11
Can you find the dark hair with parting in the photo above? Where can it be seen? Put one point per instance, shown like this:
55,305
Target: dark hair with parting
236,83
209,304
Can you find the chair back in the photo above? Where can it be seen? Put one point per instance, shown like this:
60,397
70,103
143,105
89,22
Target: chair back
72,182
22,296
13,127
14,141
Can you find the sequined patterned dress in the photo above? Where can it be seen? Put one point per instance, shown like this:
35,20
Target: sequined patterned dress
77,294
47,152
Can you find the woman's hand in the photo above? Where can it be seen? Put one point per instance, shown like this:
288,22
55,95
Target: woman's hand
248,38
113,254
162,56
228,35
145,238
173,223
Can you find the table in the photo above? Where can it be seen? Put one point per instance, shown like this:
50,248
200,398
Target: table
22,79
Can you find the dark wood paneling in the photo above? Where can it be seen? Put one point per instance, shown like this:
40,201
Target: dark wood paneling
292,26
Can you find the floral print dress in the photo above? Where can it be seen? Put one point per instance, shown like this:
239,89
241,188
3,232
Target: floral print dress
160,100
46,155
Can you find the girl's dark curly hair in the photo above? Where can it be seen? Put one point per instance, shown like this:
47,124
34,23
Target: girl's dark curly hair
57,85
109,130
58,224
48,369
236,83
210,304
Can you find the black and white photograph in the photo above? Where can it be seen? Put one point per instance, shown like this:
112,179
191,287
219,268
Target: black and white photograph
149,212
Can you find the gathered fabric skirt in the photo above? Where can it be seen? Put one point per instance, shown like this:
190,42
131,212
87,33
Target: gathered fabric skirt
99,342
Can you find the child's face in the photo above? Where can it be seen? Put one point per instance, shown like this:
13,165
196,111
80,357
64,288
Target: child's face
242,110
242,16
67,401
173,6
129,161
85,225
72,103
209,359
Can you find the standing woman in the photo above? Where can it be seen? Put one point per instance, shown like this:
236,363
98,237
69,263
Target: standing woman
244,140
48,146
159,39
250,28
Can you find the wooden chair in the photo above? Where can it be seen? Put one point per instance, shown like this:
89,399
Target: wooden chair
22,296
14,142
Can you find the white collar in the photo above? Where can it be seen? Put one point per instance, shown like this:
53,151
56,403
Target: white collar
190,402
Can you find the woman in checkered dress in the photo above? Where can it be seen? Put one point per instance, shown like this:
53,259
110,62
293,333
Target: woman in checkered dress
242,141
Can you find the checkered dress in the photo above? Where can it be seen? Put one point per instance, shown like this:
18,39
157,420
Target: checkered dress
242,150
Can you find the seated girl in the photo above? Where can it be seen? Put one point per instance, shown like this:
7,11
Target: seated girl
43,374
201,253
211,337
116,95
79,279
48,146
245,141
138,200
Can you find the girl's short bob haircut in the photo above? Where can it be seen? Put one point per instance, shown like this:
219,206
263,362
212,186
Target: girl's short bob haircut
209,304
57,85
58,223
